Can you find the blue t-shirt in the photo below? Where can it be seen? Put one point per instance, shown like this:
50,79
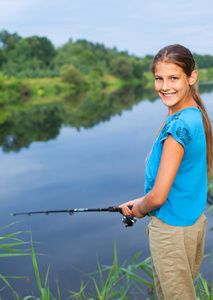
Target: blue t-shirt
187,198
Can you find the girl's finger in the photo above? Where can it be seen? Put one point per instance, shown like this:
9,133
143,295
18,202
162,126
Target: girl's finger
126,211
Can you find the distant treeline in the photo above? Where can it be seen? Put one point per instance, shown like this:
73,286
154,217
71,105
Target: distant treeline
36,57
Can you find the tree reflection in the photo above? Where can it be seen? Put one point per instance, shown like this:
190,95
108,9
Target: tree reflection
22,125
38,123
205,87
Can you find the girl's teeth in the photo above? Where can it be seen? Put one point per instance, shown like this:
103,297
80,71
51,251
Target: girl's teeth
168,95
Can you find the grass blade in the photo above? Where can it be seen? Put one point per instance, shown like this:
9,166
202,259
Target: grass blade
35,265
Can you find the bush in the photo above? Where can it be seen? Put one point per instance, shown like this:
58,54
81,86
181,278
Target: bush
122,68
72,75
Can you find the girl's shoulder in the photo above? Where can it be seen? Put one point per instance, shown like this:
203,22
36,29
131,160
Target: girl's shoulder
183,126
190,116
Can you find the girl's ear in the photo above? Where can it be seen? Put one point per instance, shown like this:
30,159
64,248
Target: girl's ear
193,77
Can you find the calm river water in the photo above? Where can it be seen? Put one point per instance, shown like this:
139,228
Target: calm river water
73,161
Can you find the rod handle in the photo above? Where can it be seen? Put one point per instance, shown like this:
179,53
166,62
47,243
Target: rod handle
117,209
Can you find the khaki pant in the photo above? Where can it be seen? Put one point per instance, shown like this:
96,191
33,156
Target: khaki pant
177,254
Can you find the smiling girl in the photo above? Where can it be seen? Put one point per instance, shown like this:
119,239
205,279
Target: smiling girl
177,169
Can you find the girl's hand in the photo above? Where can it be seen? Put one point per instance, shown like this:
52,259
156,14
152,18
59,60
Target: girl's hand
135,211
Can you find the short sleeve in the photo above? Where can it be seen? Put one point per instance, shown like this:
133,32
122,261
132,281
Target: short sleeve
179,130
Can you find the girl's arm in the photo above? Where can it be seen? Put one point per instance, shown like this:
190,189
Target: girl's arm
171,158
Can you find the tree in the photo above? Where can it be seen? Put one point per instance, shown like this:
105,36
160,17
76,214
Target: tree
148,59
42,48
138,69
121,67
72,75
7,40
203,61
3,39
3,57
21,53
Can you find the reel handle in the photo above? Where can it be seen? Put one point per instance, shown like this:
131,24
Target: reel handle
127,220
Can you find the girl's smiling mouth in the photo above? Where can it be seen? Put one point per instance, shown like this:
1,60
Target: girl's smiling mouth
167,95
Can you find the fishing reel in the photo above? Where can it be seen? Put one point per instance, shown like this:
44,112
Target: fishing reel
129,221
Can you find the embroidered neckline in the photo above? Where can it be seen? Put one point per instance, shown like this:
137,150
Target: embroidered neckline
192,107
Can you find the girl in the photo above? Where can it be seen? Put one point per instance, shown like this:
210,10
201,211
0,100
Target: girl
176,178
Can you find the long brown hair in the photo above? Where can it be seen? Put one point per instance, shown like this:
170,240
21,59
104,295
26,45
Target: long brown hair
182,57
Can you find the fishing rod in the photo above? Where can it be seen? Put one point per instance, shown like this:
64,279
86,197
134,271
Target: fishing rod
127,220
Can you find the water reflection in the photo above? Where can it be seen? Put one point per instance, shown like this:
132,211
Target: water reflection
22,125
205,87
36,123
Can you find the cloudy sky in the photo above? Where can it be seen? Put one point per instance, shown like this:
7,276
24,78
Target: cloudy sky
139,26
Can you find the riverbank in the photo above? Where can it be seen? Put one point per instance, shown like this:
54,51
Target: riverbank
45,90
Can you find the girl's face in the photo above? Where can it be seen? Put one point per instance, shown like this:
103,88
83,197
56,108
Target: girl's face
173,86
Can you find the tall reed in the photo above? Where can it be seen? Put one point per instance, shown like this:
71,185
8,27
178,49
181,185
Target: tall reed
11,245
114,282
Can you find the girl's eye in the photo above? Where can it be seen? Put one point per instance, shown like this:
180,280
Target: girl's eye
157,78
174,78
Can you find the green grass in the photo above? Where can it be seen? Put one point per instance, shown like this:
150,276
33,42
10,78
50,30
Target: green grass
205,74
120,282
204,290
113,282
11,245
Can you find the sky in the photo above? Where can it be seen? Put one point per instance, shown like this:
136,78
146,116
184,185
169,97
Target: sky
140,27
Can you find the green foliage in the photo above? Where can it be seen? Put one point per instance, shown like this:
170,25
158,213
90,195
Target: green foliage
43,289
41,48
210,185
21,53
203,61
113,282
122,68
84,55
138,69
112,288
2,80
96,73
3,57
7,40
11,245
72,75
18,55
12,91
148,59
35,57
206,74
119,282
204,290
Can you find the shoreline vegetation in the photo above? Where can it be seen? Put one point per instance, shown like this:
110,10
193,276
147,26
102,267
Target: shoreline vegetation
32,69
108,282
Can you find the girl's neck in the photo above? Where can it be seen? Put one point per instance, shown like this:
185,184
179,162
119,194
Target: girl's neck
189,102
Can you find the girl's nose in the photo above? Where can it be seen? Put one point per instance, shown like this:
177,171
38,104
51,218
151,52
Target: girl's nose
165,85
